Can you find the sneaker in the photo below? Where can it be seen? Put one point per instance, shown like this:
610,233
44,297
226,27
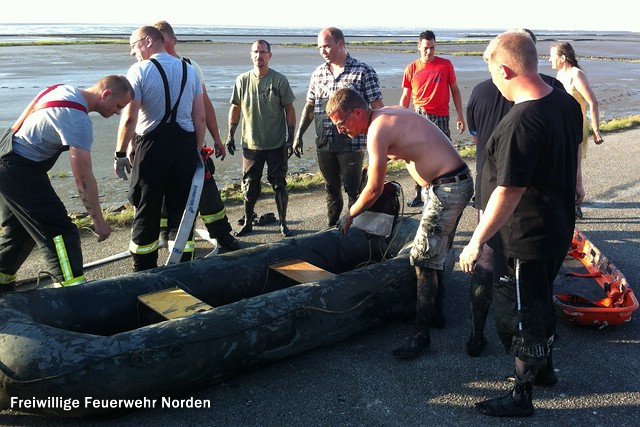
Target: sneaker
228,242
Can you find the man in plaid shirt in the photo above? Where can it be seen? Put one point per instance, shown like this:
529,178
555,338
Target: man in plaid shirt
340,158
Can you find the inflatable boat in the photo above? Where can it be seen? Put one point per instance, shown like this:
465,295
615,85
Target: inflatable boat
590,290
129,341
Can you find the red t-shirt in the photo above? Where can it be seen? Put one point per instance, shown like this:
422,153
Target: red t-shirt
429,84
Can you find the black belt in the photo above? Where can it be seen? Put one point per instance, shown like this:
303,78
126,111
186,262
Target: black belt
448,180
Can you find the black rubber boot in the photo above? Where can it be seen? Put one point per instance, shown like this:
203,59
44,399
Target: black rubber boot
333,213
518,403
143,262
546,376
413,347
247,227
438,320
480,297
282,200
426,289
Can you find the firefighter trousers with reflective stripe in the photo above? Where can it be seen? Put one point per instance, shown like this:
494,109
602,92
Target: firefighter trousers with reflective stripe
212,211
163,168
33,214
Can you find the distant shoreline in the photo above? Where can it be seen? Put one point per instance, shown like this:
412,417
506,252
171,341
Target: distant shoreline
29,69
448,47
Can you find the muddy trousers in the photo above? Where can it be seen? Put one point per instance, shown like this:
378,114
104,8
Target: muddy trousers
253,162
429,298
481,292
212,210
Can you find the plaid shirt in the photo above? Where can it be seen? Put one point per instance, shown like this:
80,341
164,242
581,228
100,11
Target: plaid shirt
356,75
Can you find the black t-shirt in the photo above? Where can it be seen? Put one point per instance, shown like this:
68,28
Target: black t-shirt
485,109
535,146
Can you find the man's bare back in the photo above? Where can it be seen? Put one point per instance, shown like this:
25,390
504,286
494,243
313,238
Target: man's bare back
400,133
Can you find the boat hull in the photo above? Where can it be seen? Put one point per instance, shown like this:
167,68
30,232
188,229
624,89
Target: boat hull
87,350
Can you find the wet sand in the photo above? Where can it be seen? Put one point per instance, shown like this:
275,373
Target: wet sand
27,70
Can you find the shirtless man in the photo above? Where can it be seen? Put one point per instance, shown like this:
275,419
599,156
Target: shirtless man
433,162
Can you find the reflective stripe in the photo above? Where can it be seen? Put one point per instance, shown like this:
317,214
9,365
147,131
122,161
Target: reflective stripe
74,281
63,258
208,219
164,222
65,264
143,249
518,300
190,246
6,279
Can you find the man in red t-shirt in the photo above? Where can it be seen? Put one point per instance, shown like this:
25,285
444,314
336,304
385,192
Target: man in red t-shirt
427,82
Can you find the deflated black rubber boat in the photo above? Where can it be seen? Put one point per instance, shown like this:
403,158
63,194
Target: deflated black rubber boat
91,349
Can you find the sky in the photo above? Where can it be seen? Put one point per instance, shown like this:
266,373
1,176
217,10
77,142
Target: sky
568,15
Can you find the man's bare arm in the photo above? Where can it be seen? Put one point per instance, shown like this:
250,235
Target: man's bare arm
212,125
457,103
80,160
377,152
305,120
501,205
199,120
405,98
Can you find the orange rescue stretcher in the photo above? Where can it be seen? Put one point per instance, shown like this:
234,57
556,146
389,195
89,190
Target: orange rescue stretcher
590,290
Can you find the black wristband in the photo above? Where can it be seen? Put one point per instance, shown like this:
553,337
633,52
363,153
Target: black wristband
120,154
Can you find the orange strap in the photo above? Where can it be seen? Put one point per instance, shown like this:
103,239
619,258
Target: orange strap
596,274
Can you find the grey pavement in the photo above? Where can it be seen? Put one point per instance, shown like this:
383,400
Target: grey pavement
358,383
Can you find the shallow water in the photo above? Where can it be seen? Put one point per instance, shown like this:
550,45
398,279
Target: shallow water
28,69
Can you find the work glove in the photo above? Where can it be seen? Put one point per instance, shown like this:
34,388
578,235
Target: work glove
121,165
289,142
231,145
297,148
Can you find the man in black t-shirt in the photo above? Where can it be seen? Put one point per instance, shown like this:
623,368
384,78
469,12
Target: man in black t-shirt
485,109
529,182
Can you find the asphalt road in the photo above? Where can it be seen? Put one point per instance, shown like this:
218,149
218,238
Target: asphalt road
358,382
